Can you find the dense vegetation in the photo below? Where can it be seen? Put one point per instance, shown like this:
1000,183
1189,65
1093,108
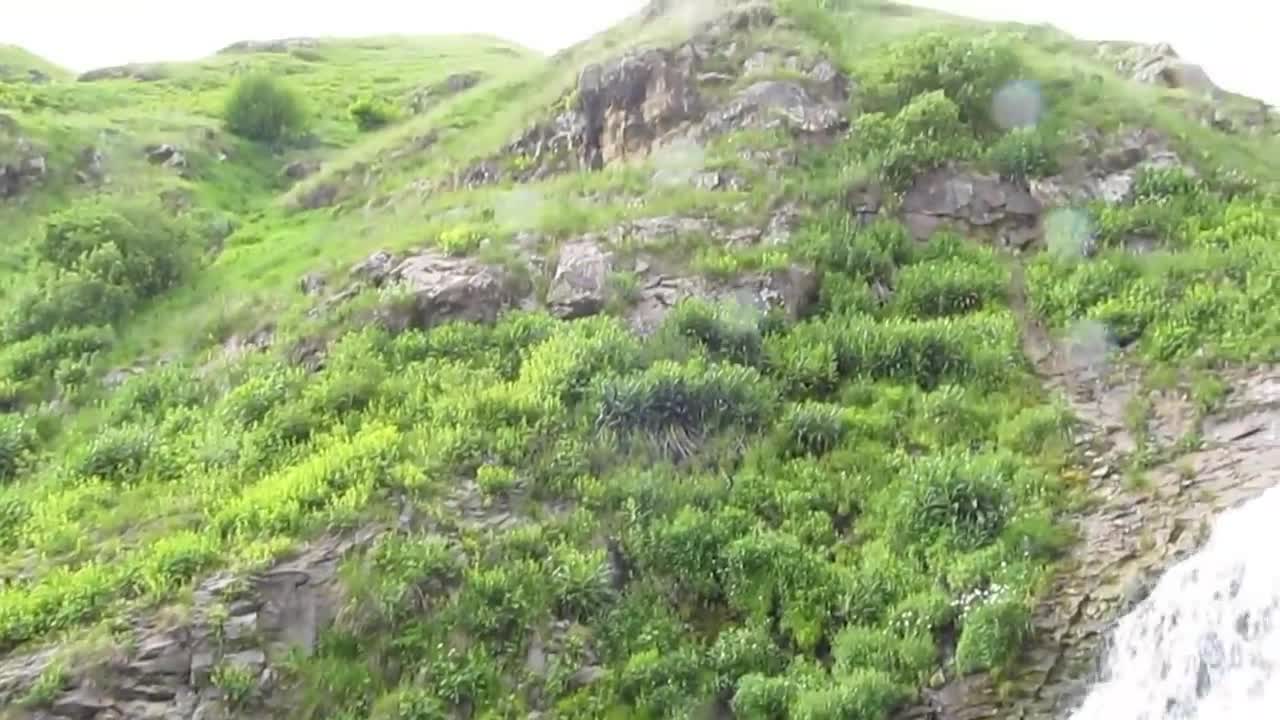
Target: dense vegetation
790,518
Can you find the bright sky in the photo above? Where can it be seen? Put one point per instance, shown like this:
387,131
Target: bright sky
1234,39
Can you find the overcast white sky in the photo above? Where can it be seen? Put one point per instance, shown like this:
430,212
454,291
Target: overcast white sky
1234,39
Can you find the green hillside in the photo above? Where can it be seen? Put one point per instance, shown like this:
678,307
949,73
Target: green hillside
709,368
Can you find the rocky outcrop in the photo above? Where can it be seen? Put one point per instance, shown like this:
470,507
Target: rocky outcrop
973,202
1158,65
423,99
791,291
580,286
21,173
166,155
300,169
165,670
141,73
773,104
1106,168
430,288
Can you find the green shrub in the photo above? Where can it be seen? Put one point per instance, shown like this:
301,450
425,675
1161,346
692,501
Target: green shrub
406,572
1023,153
742,651
992,635
961,498
237,683
157,391
410,703
498,603
904,657
118,453
579,582
861,695
661,682
869,252
812,428
60,300
729,332
968,71
761,697
370,113
17,441
130,244
949,287
262,108
926,134
677,406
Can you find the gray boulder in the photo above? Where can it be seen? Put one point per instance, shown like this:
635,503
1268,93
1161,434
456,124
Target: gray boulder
974,202
580,286
774,104
437,288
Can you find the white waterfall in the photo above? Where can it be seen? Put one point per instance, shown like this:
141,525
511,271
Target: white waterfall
1204,645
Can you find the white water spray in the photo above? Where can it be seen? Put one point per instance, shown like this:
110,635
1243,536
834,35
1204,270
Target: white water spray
1205,644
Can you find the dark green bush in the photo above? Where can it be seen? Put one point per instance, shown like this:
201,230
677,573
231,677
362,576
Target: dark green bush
129,244
969,71
579,583
906,658
1024,153
869,252
370,113
963,499
926,134
661,683
157,391
39,355
677,406
263,108
761,697
58,300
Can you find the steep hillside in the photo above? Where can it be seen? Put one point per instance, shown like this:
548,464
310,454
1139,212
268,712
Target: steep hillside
793,360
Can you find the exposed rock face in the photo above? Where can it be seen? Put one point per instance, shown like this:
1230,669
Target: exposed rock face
580,285
18,175
428,97
772,104
1159,65
1106,168
977,202
299,169
440,288
167,155
792,291
164,670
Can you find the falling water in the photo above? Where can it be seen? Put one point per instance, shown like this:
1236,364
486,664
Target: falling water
1204,645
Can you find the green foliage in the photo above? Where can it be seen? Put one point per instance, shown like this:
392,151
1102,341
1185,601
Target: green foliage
991,635
262,108
906,658
813,428
118,453
17,441
861,695
675,406
728,332
47,687
236,683
949,287
371,113
870,252
1024,153
967,70
741,652
925,134
963,500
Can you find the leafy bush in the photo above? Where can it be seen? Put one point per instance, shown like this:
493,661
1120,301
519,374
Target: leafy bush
59,300
991,635
968,71
949,287
870,252
370,113
762,697
861,695
134,245
963,499
118,453
812,428
661,682
17,441
739,652
926,134
906,658
729,332
1023,153
260,107
676,406
579,582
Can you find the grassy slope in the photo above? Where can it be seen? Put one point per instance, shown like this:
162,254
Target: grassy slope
846,428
